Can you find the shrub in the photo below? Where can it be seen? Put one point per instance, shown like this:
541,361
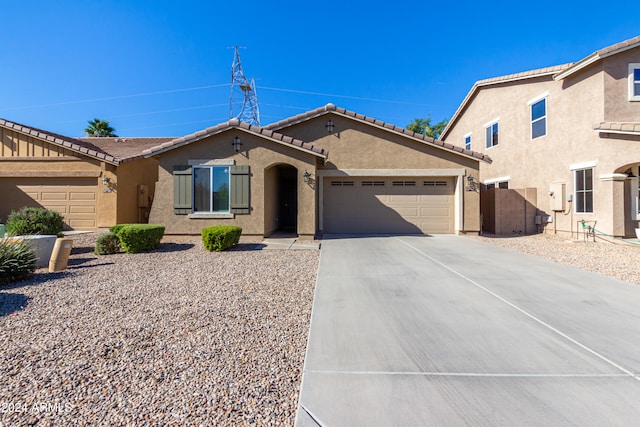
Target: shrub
107,244
220,237
116,228
138,237
34,221
17,260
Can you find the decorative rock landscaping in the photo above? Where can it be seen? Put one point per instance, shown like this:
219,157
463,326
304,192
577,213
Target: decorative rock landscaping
178,336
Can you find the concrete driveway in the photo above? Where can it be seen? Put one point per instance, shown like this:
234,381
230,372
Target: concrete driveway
447,330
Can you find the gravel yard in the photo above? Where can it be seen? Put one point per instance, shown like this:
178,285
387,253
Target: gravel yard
620,261
179,336
182,336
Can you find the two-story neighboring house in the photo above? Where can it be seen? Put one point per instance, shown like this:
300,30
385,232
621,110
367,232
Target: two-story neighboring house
570,131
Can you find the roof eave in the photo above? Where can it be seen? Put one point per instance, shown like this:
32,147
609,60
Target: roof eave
619,132
577,67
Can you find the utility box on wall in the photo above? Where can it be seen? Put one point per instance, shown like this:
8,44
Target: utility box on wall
557,195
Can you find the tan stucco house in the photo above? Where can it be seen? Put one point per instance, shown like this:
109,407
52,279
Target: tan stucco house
92,182
570,132
325,171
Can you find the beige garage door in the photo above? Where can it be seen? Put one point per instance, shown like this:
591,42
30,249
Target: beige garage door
74,198
388,205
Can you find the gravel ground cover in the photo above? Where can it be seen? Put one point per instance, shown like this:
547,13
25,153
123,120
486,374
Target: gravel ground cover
178,336
618,260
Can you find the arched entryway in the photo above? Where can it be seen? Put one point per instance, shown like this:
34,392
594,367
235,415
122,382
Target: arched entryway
281,199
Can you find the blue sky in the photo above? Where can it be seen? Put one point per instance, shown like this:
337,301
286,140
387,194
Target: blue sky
163,68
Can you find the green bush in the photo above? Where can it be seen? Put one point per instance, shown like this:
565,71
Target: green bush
34,221
138,237
17,260
116,228
107,244
220,237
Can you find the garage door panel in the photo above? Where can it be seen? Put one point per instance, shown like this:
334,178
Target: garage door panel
408,211
75,209
392,205
436,212
47,196
82,223
403,198
86,195
62,209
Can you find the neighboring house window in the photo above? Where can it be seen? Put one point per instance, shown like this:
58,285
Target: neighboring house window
467,142
634,82
211,189
584,190
539,119
491,135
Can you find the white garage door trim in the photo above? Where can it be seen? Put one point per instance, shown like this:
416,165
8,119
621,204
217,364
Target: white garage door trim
457,173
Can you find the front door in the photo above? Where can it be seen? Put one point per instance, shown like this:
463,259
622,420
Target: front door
288,199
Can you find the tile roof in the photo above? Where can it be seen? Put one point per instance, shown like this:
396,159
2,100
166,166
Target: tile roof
79,146
126,149
236,124
630,128
525,74
599,54
330,108
539,72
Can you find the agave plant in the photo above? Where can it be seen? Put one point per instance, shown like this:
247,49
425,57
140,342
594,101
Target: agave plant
17,260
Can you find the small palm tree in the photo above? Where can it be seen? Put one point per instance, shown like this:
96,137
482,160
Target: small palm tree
100,128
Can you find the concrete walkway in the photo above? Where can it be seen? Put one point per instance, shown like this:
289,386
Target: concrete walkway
446,330
289,243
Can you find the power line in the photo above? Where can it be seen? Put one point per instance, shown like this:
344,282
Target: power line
217,121
201,107
111,98
342,96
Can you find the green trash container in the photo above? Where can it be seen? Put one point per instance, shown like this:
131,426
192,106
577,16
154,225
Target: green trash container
1,231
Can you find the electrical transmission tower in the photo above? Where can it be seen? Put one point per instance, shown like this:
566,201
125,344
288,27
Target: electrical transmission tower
243,102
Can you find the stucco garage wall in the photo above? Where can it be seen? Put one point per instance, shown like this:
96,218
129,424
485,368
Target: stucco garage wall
360,146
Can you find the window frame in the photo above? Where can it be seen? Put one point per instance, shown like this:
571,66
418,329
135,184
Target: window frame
535,101
633,82
211,210
467,141
585,191
488,127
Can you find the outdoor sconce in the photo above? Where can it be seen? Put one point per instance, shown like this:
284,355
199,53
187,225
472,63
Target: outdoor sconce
106,182
306,177
236,143
472,183
329,126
